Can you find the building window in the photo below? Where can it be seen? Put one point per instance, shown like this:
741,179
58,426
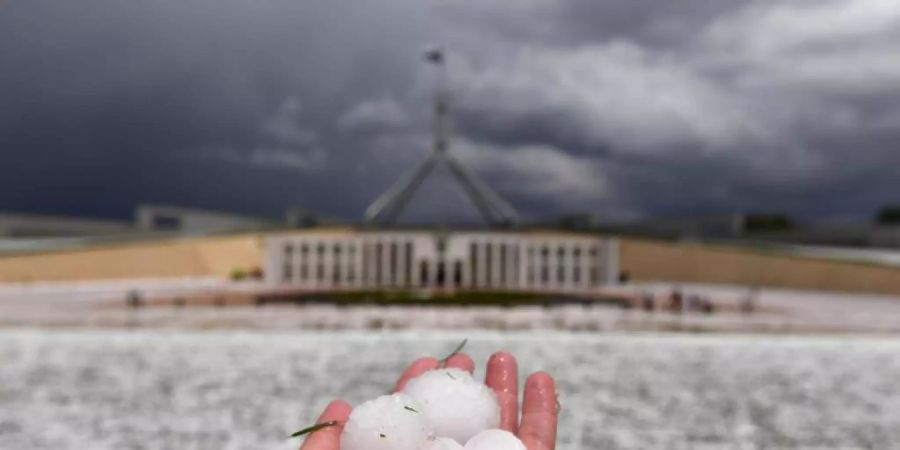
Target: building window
545,265
423,273
366,270
165,222
408,262
516,264
473,262
489,263
379,251
320,272
561,265
336,274
593,266
529,261
393,262
287,272
576,265
503,254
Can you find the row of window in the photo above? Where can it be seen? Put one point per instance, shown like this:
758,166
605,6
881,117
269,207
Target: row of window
299,254
391,264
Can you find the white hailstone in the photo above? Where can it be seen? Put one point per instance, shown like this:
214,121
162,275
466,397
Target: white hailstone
442,443
456,405
495,440
391,422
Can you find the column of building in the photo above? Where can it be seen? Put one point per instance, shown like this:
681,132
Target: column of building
466,275
571,265
385,261
527,269
373,262
515,263
481,269
611,257
580,259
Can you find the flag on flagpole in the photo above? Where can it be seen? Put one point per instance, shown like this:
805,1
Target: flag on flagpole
435,56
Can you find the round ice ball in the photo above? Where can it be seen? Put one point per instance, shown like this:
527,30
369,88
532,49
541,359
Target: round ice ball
442,443
391,422
456,405
495,440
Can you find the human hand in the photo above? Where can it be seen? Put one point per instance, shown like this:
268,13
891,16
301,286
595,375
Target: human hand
537,428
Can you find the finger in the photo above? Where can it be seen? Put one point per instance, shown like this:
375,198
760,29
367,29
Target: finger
461,361
539,411
503,378
415,369
329,438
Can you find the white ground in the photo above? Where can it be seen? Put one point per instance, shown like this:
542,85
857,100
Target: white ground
189,390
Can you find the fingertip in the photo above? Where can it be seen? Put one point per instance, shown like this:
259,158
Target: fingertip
329,437
541,381
502,370
337,410
425,364
417,368
461,361
501,358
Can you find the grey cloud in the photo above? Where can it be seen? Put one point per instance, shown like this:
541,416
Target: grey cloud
626,107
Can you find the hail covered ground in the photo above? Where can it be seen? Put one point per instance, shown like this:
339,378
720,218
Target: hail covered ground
164,390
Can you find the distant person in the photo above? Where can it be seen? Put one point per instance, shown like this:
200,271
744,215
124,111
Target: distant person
134,299
748,303
694,302
624,277
676,301
648,301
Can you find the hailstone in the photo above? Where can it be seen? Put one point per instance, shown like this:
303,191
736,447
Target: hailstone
391,422
495,440
454,403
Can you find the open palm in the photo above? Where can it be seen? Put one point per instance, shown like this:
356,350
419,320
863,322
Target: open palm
537,427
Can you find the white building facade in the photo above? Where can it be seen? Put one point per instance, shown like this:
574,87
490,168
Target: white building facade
324,260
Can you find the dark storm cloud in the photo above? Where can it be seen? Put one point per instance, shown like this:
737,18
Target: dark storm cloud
625,108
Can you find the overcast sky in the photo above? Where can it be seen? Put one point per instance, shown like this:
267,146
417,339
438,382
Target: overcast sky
624,108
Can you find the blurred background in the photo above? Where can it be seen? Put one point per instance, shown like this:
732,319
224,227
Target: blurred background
216,216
